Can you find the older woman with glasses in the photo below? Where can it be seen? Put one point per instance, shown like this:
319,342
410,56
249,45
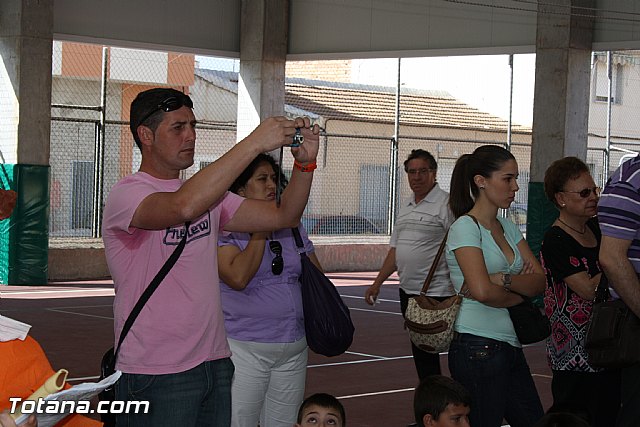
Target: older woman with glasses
569,257
262,305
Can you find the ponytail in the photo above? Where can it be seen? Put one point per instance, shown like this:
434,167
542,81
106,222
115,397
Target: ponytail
460,200
485,160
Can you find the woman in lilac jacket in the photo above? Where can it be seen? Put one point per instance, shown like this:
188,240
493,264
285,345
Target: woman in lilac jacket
262,305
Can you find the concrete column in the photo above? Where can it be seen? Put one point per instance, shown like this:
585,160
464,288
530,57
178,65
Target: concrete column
561,99
26,38
263,50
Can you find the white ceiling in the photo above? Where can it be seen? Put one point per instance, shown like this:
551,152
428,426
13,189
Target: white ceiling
326,29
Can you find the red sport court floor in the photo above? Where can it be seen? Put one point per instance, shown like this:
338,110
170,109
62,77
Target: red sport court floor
374,379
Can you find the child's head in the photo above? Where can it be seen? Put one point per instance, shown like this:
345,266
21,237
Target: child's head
320,410
440,401
565,416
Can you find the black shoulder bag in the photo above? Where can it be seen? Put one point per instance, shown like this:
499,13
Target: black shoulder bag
327,321
108,363
529,322
613,335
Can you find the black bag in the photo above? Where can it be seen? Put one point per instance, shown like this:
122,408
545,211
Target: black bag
613,335
327,321
108,362
108,368
530,323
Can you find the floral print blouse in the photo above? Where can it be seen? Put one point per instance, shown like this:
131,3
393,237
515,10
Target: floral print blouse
562,256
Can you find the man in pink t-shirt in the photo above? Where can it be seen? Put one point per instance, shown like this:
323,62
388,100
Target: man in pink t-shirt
176,354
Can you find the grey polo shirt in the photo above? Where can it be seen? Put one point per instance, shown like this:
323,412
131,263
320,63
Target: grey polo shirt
418,232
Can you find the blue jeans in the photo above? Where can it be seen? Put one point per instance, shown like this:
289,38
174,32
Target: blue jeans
198,397
498,378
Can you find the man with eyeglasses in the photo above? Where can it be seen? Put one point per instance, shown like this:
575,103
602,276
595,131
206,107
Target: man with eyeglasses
420,227
176,354
619,218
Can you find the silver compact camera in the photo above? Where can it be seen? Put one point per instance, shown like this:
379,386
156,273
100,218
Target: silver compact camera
298,139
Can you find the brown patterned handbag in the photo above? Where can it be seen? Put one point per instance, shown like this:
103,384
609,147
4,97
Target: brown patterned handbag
429,321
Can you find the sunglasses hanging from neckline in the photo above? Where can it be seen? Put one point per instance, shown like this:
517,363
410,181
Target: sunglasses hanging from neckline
277,264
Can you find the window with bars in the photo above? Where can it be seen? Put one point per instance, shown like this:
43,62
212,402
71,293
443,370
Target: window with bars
601,83
82,194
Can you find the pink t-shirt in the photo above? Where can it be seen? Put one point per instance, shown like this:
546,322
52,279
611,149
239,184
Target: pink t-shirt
181,325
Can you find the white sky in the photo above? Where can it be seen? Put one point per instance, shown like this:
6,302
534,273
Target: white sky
480,81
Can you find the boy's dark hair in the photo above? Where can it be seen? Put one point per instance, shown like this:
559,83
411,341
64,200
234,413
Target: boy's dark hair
145,108
323,400
434,394
419,153
562,419
565,416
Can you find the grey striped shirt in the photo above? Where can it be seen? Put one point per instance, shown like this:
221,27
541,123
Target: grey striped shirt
619,207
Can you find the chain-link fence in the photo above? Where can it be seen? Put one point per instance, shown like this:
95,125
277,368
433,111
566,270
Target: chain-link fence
368,127
615,105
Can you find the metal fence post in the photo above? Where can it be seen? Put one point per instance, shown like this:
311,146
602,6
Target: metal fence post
98,177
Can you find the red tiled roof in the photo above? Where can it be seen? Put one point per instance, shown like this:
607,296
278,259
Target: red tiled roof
368,105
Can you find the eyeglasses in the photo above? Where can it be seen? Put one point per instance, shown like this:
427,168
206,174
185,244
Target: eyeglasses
172,103
278,263
422,171
586,192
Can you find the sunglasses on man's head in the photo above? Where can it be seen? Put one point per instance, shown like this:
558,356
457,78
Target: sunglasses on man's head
172,103
586,192
278,263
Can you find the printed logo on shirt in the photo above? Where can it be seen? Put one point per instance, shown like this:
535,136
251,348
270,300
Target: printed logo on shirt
198,229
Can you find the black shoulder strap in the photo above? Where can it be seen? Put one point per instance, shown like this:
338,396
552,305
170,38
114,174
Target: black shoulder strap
296,235
602,291
168,265
476,221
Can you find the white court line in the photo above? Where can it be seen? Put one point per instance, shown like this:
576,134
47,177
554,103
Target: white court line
355,362
365,355
55,292
79,314
377,393
379,359
379,299
542,376
370,310
80,306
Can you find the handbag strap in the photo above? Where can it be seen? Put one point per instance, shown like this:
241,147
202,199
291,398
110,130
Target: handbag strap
602,291
523,296
434,265
296,235
168,265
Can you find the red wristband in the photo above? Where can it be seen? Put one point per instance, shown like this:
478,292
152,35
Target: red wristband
309,167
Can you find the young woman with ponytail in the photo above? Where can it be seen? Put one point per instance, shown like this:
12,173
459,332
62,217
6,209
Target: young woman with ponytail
491,264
